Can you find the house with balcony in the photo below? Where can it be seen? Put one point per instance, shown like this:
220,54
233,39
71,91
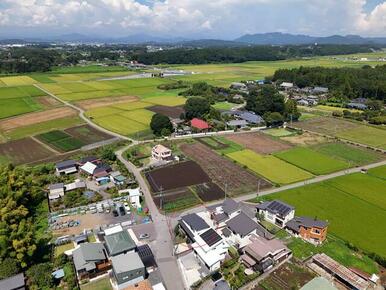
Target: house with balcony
208,246
276,212
262,254
310,230
128,270
90,260
161,153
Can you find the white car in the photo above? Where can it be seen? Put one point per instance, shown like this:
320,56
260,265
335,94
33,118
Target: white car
127,208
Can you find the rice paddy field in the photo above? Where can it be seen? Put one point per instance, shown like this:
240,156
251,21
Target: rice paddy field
352,131
361,218
270,167
312,161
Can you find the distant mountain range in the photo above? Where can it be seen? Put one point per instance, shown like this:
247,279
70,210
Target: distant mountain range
275,38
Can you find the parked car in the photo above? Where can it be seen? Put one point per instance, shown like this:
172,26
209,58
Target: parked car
115,213
144,236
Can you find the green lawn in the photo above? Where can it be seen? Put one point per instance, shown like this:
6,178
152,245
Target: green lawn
61,249
101,284
223,106
279,132
353,205
270,167
351,154
335,249
312,161
232,146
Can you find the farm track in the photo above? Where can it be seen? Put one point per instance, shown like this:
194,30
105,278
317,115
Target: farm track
46,146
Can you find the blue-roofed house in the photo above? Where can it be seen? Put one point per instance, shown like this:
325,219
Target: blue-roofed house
250,117
357,106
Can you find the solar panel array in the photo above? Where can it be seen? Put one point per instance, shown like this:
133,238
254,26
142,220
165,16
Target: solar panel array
279,207
210,237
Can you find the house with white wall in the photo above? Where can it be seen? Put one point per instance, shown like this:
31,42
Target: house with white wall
276,212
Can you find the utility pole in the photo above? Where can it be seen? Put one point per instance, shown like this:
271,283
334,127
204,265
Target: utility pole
161,198
258,187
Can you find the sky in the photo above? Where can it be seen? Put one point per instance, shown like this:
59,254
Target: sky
224,19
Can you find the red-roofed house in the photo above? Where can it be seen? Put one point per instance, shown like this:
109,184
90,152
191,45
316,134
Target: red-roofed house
199,125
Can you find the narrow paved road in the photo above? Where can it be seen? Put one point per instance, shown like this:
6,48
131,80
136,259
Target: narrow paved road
163,249
83,117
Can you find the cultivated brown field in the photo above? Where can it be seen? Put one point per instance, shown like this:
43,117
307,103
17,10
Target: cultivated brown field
305,139
48,102
24,151
259,143
223,171
96,103
87,134
34,118
172,112
176,176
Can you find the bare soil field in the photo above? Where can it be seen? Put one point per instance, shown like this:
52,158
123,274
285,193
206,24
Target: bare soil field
223,171
259,143
87,134
34,118
97,103
172,112
306,139
327,126
48,102
209,192
24,151
176,176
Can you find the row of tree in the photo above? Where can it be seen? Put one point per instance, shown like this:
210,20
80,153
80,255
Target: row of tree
242,54
344,83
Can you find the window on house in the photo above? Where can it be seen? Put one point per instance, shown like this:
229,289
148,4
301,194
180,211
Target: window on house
316,231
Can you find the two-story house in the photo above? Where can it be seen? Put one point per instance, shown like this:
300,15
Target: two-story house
262,254
310,230
161,153
276,212
208,246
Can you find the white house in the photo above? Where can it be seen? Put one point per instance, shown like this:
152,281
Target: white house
66,167
89,168
276,212
134,196
161,153
208,246
286,85
56,191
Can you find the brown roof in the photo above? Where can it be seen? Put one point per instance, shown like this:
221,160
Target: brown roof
143,285
260,247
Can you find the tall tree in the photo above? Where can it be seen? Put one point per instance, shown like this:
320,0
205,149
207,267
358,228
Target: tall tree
196,107
161,125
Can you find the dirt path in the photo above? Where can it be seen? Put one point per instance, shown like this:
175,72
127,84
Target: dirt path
45,145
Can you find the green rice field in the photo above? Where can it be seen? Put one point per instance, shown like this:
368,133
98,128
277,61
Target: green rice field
270,167
354,205
312,161
379,172
352,155
61,140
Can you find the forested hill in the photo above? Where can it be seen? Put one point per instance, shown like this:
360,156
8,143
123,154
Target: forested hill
365,82
242,54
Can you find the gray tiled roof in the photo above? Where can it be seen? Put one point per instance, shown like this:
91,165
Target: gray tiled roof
251,117
87,254
65,164
230,206
126,262
195,222
119,242
306,222
276,207
14,282
242,224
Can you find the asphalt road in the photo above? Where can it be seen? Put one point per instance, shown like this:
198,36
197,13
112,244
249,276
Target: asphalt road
163,248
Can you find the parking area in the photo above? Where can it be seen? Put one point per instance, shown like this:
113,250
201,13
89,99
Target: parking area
191,269
144,232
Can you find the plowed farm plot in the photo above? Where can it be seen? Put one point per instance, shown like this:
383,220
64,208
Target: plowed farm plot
88,134
175,176
172,112
24,151
222,171
259,143
209,192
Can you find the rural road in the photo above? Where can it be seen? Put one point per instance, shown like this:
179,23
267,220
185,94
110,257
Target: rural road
163,248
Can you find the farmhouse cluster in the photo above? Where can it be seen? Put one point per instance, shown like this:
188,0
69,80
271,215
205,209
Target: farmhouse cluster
211,234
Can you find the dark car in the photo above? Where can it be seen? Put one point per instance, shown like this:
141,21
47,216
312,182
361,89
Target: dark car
115,213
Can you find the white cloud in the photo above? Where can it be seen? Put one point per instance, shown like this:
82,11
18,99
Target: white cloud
224,18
